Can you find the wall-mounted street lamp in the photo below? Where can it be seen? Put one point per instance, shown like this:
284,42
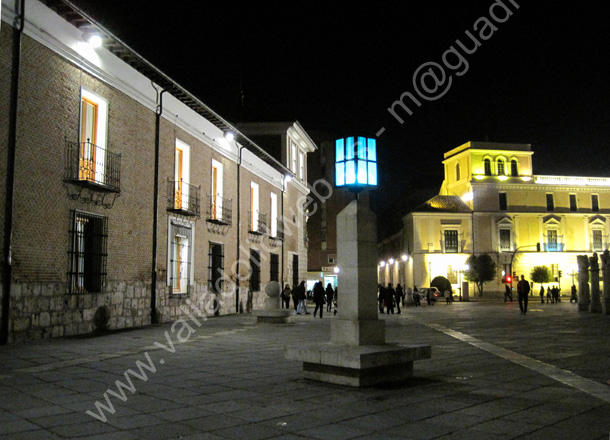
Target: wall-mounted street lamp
229,135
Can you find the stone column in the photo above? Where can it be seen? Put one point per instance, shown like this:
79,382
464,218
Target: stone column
596,305
605,257
583,283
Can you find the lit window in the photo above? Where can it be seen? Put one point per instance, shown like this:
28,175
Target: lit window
216,192
356,161
92,137
254,207
181,176
293,158
552,243
301,166
273,215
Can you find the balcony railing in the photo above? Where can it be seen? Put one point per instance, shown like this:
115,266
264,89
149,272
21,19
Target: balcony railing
219,210
552,245
183,198
279,231
257,223
88,164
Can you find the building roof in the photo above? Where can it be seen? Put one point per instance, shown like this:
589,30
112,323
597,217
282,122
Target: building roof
444,204
475,145
81,20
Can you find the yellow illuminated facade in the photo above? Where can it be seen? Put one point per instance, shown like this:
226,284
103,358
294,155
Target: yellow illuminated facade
491,202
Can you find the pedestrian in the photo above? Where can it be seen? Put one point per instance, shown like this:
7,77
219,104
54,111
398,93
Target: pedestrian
555,293
381,297
400,294
447,296
508,294
523,289
295,296
390,294
549,296
416,297
302,297
541,294
318,298
286,297
408,296
329,297
336,299
573,296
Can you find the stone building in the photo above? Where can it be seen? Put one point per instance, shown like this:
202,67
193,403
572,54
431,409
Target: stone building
492,202
117,182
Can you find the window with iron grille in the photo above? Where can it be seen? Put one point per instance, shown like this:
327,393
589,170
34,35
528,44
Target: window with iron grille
598,243
500,168
552,242
88,252
505,240
216,260
180,257
451,240
274,268
255,270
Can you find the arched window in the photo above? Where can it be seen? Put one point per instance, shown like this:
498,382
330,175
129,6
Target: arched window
487,163
500,167
513,168
457,172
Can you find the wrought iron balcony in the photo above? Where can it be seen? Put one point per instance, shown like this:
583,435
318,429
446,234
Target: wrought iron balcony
279,232
183,198
257,223
90,165
553,244
219,210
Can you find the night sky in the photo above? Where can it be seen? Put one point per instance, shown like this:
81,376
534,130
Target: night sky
541,77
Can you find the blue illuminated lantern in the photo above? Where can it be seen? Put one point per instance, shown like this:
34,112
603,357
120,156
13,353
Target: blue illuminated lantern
356,162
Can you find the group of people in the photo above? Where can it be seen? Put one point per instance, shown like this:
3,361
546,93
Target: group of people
552,294
321,297
388,297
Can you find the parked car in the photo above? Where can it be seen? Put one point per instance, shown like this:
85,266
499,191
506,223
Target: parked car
429,294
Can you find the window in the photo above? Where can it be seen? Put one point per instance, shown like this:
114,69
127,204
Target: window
293,158
216,191
255,271
573,207
215,267
93,123
301,166
273,215
487,164
500,167
514,169
594,203
451,240
274,268
295,270
505,240
180,236
598,240
89,235
253,206
550,203
552,244
181,175
457,172
502,202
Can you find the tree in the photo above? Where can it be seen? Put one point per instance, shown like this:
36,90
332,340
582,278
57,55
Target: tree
481,269
442,284
541,274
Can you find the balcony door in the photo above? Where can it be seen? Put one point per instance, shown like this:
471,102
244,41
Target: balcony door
181,176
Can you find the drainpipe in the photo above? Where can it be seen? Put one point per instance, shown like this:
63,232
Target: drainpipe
238,229
7,273
154,318
283,229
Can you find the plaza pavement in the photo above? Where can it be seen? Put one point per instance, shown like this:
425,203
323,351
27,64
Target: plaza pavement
494,374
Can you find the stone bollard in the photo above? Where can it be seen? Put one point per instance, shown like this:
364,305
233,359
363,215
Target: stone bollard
595,306
605,257
583,283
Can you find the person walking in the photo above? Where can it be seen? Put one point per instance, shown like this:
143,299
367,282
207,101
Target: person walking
555,293
390,293
573,296
541,294
318,298
416,297
329,297
523,289
508,294
302,297
447,296
381,297
549,296
295,296
400,294
286,297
